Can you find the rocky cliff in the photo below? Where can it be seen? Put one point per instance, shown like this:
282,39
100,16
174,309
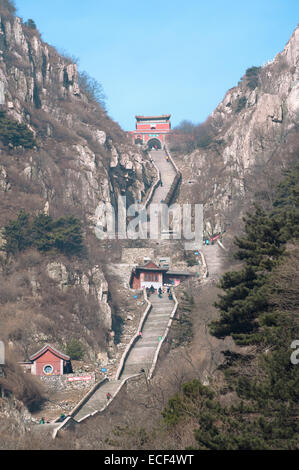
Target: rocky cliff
79,149
75,158
240,151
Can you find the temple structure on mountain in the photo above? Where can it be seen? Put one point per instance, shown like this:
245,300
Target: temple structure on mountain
154,275
152,131
48,361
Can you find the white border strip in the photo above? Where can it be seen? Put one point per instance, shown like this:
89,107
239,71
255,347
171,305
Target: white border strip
155,185
164,336
222,246
135,337
204,263
171,159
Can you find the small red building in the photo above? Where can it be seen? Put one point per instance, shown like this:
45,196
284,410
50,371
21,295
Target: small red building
147,276
152,275
152,131
49,361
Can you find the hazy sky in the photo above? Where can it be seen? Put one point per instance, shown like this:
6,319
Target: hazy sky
162,56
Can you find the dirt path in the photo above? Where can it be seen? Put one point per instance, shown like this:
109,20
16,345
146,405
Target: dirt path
216,260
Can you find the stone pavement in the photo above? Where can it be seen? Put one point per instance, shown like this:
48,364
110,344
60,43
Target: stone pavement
167,175
140,357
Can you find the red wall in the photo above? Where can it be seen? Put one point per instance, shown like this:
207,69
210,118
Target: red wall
151,276
136,282
147,127
147,138
134,136
48,359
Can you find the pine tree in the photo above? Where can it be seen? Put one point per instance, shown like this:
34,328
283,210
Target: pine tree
244,300
17,233
42,232
13,133
68,237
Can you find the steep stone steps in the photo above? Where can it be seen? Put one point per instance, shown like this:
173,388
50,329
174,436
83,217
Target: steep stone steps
98,400
167,175
140,357
154,328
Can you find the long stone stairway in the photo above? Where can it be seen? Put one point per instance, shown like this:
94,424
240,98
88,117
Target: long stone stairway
167,175
140,357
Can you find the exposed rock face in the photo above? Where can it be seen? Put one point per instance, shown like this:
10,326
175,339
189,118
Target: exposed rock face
4,184
253,133
58,272
78,146
81,160
14,418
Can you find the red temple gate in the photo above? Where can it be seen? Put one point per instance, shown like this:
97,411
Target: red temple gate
152,131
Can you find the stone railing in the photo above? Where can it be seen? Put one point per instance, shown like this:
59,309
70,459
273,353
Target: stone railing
176,181
70,419
135,338
204,264
164,336
171,159
121,384
154,186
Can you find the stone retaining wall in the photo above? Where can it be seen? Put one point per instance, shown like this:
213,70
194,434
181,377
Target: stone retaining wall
176,180
68,381
155,185
165,335
135,337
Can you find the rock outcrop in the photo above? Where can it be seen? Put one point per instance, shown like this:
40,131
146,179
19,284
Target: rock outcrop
82,158
247,140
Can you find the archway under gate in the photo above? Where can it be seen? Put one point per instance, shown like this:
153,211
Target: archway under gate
154,143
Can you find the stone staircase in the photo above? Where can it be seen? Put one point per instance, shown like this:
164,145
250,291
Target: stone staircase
98,400
167,175
141,356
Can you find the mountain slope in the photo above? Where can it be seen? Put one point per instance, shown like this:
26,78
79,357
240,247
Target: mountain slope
240,151
61,155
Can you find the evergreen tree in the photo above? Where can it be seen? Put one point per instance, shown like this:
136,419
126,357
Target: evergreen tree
13,133
30,23
44,233
259,306
244,300
67,234
17,233
261,245
286,205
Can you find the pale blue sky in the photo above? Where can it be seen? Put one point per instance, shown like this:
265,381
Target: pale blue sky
162,56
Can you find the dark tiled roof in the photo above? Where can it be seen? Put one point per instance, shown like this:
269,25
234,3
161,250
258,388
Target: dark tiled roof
51,348
144,268
163,116
179,273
